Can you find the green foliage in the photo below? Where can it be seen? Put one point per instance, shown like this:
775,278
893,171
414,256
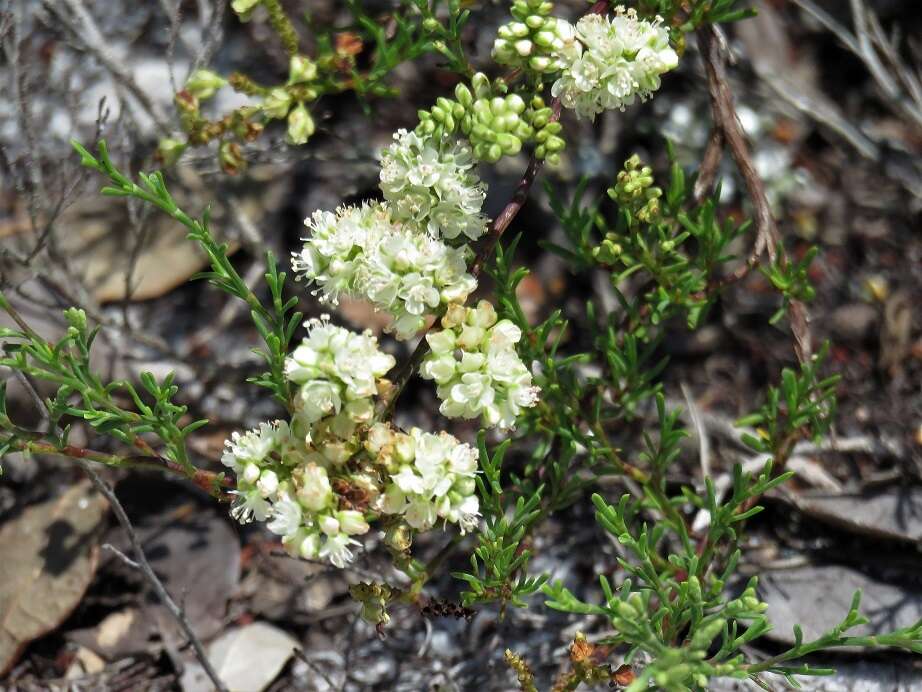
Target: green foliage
498,562
791,280
690,15
276,323
116,409
802,407
415,33
664,238
675,605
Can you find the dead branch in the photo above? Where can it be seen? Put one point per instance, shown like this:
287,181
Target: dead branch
140,563
768,238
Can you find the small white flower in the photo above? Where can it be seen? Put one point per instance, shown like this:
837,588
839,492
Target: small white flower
474,362
253,446
268,483
394,500
249,505
441,478
365,253
286,517
336,550
408,481
420,514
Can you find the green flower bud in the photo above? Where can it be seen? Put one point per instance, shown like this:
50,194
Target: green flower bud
481,84
523,47
301,69
277,103
204,83
515,103
244,8
431,24
230,157
169,150
539,63
518,29
510,144
300,125
534,21
76,318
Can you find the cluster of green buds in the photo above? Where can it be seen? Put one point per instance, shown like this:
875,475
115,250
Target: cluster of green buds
495,122
747,605
289,101
199,130
374,599
635,192
535,40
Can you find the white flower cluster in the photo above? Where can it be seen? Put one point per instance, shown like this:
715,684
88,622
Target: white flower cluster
337,371
476,367
364,253
283,471
429,182
277,480
434,479
319,479
621,58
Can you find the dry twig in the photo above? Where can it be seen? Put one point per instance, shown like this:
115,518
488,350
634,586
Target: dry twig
141,564
768,238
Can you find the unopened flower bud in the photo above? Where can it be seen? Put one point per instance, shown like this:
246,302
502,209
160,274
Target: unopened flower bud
301,69
277,103
352,522
310,547
399,537
169,150
204,83
300,125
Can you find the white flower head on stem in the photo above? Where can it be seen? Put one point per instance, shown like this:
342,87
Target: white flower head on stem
430,182
620,59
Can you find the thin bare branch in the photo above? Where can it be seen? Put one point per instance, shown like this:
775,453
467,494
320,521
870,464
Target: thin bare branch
80,23
147,571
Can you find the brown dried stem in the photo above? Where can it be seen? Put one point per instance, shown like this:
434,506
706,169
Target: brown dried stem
768,238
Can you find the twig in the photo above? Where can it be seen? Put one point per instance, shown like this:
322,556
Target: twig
141,564
213,33
84,29
144,567
865,44
768,239
25,441
710,163
704,443
725,118
881,75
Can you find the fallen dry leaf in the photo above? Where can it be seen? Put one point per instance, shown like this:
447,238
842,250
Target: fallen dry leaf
50,552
